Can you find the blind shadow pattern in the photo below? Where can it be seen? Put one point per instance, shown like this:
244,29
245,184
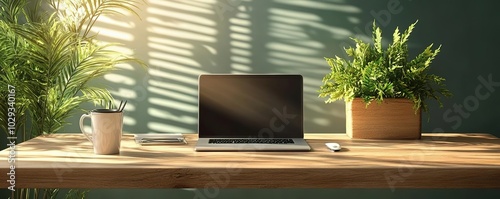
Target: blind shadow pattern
179,40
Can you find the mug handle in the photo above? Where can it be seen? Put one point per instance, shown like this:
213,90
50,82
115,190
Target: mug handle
88,135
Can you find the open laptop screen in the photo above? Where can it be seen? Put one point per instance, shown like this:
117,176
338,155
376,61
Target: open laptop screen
257,106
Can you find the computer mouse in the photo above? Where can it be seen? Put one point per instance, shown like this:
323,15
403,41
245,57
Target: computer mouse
333,146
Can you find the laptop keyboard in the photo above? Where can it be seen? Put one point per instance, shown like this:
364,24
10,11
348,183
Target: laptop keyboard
251,141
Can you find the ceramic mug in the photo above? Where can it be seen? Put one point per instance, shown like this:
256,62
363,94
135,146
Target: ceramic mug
106,132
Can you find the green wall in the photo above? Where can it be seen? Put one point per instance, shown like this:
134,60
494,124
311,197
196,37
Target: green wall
181,39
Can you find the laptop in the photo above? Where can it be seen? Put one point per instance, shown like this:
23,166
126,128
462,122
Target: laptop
250,113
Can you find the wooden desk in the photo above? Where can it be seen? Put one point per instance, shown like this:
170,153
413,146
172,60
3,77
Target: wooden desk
436,161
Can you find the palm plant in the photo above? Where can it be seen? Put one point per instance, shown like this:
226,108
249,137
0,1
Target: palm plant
50,57
12,45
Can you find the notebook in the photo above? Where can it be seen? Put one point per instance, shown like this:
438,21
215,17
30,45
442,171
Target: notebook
257,112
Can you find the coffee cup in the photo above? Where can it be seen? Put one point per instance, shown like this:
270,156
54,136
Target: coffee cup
106,135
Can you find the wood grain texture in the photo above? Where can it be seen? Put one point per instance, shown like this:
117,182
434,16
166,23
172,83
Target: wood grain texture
435,161
390,119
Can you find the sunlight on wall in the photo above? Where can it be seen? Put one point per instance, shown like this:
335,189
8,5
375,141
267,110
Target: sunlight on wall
297,45
116,30
109,27
241,47
180,35
179,40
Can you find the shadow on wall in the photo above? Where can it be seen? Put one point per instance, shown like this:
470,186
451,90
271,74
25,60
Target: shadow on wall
180,40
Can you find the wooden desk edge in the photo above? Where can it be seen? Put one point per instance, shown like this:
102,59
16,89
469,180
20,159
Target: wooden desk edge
392,177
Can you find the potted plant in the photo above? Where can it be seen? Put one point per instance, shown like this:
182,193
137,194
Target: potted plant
49,58
398,85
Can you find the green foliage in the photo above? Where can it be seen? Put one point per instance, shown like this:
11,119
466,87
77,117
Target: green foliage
13,71
374,73
76,194
49,55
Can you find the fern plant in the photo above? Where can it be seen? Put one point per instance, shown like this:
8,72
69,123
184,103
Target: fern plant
49,54
375,73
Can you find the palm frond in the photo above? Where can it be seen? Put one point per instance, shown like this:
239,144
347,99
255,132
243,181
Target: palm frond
10,10
51,59
83,14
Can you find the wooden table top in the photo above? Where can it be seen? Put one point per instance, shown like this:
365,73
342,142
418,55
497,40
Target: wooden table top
436,161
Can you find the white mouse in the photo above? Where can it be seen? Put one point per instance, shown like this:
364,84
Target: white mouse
333,146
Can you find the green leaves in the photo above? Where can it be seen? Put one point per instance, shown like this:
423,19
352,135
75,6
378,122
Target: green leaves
10,10
81,15
50,58
53,59
374,73
377,38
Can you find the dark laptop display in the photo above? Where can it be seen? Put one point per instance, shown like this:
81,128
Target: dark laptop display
250,106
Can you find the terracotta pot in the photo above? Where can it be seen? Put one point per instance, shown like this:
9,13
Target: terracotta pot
393,119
